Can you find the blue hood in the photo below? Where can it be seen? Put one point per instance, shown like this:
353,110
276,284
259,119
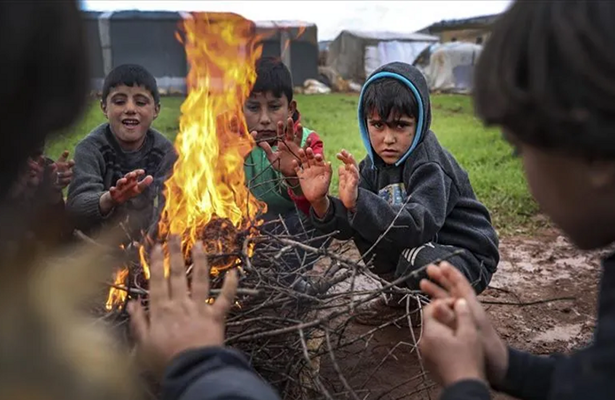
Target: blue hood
414,79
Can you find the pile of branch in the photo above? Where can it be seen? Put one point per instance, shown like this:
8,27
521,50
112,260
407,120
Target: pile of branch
296,302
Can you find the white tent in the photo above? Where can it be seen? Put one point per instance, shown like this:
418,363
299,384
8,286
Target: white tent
450,66
356,54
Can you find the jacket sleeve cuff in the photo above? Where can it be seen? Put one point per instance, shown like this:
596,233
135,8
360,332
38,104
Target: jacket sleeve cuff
219,371
522,366
466,390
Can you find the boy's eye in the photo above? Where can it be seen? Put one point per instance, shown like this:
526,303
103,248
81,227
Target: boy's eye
253,107
274,107
376,124
141,103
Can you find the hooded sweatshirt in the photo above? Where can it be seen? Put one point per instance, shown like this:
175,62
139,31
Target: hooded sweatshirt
425,196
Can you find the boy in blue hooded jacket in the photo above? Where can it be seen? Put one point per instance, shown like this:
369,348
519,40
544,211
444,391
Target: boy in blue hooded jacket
408,203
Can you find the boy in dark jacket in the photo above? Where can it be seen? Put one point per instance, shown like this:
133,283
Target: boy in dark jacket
120,167
409,202
556,107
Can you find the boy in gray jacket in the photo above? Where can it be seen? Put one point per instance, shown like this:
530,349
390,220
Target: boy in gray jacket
409,202
120,167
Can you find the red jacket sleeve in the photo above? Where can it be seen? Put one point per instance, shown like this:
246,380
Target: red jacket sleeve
317,146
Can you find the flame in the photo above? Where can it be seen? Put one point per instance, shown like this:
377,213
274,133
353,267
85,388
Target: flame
206,197
208,181
117,296
301,30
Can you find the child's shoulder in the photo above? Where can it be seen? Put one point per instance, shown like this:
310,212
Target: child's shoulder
96,138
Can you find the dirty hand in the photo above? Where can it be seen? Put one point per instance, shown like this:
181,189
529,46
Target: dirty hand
314,175
129,186
288,145
451,283
349,180
62,171
455,353
179,320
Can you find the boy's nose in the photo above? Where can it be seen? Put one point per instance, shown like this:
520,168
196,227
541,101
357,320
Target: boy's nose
264,119
130,107
389,138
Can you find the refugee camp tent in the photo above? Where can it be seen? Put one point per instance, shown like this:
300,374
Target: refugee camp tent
295,42
356,54
449,67
149,38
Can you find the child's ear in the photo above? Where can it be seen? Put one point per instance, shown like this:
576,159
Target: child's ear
103,107
156,110
292,107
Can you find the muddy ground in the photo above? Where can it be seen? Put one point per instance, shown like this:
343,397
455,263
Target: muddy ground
542,299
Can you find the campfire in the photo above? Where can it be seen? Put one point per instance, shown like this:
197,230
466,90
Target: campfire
206,195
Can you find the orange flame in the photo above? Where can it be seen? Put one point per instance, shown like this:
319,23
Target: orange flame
300,32
206,195
117,296
208,179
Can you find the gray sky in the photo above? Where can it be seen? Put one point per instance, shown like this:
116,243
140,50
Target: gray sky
330,16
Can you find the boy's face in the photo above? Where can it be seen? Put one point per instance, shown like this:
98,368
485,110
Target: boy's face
130,111
391,138
263,111
576,193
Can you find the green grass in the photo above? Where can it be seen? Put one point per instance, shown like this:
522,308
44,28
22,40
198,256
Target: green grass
495,174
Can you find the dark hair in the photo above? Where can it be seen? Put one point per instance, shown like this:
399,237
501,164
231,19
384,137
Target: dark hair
546,75
45,68
388,96
273,76
130,75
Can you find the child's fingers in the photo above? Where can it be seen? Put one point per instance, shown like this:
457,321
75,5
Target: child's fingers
177,278
303,158
290,130
466,327
63,157
444,312
71,164
121,183
297,167
432,290
200,278
455,278
266,148
138,321
435,274
280,134
225,300
158,287
141,186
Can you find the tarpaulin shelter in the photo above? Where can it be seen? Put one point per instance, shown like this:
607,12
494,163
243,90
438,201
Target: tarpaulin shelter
148,38
356,54
449,67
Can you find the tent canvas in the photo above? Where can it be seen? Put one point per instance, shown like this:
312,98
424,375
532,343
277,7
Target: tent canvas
356,54
451,66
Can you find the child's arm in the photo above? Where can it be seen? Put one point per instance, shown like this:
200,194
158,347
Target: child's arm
415,222
86,187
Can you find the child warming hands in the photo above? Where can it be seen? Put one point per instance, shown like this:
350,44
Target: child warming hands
408,203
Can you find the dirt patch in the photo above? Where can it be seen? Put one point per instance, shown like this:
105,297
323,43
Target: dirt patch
542,300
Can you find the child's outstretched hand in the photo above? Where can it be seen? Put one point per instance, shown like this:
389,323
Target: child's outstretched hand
449,284
129,186
314,175
179,320
349,180
452,353
288,146
62,170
